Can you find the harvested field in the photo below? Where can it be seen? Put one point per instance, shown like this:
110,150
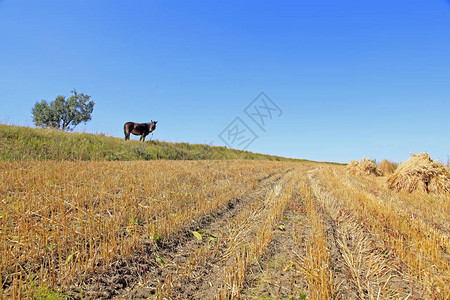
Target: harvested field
217,230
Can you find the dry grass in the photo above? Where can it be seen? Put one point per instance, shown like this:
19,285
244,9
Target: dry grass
386,167
362,268
365,167
420,173
62,220
248,241
415,247
316,263
356,237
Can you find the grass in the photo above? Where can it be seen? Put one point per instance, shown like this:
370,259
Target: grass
23,143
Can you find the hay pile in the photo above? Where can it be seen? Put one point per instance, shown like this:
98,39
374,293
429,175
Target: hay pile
420,173
364,167
386,167
352,166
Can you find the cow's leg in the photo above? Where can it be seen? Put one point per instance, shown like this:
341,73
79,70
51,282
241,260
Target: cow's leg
143,137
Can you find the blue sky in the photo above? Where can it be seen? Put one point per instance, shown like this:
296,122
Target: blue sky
352,78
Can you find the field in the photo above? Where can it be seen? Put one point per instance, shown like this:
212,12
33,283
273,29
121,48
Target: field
214,229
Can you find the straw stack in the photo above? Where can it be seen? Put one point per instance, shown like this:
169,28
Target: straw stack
364,167
352,167
386,167
420,173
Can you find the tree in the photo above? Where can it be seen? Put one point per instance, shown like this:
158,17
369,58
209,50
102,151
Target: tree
63,114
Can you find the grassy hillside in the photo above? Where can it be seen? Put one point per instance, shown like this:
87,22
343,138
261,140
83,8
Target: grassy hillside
23,143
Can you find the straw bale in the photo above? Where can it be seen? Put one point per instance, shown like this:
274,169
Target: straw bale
386,167
420,173
352,167
364,167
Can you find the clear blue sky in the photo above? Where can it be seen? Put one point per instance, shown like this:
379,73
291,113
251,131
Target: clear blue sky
353,78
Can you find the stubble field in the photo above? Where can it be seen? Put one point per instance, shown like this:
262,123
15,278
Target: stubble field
216,230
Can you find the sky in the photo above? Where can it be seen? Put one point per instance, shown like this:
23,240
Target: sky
340,80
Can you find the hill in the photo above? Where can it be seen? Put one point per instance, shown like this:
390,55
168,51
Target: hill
24,143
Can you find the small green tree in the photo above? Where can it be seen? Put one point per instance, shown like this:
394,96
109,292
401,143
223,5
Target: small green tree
63,114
